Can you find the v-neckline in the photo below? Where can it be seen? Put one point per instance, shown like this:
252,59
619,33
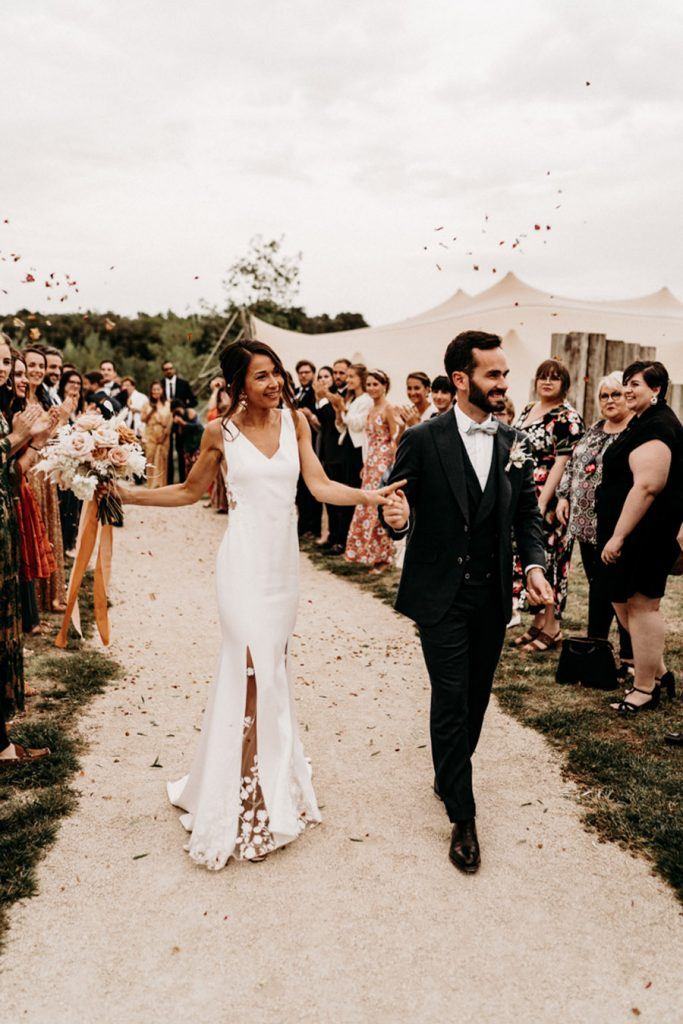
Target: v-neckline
268,458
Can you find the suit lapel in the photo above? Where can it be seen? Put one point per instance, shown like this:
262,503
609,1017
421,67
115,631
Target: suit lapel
503,439
450,449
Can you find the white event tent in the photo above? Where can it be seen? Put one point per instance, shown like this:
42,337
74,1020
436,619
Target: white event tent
525,318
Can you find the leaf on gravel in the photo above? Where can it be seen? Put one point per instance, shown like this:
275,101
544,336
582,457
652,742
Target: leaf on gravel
139,856
156,763
353,839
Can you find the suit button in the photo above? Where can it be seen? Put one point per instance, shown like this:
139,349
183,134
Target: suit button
459,560
488,575
467,575
467,558
466,528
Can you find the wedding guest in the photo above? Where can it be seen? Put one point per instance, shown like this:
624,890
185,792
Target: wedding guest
328,449
25,425
37,560
135,403
420,407
310,510
443,395
214,386
95,397
640,509
176,387
576,508
218,495
110,381
190,427
71,388
53,373
552,428
158,421
51,592
340,368
351,413
507,415
368,542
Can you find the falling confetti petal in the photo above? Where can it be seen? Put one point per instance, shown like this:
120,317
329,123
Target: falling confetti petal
439,229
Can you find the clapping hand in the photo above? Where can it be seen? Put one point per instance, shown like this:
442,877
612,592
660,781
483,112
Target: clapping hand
321,389
409,415
396,509
336,400
30,422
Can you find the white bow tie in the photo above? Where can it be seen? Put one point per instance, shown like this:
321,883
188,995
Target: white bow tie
489,426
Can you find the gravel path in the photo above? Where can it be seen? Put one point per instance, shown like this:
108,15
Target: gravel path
362,919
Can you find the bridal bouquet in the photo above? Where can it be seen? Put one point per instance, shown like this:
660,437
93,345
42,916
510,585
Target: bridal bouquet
89,456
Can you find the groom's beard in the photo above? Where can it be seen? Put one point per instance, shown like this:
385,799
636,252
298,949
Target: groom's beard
492,401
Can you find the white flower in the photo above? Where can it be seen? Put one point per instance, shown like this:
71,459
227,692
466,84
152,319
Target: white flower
519,454
105,437
84,487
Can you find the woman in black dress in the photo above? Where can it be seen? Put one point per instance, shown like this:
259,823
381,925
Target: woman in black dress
640,508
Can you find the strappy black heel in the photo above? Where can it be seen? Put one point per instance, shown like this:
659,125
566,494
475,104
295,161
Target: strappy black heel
624,707
668,683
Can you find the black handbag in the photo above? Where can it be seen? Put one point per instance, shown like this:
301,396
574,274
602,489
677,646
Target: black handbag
587,661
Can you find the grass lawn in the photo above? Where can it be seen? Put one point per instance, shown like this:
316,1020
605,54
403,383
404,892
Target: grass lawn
33,798
631,782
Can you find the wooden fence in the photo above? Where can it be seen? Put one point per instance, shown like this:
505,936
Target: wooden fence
588,357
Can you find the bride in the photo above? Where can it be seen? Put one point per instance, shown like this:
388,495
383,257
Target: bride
249,788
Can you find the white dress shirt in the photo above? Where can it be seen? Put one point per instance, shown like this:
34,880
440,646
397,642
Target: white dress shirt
169,383
479,445
354,419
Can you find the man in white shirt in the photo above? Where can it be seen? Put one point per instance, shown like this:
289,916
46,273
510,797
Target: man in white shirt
135,403
53,374
468,484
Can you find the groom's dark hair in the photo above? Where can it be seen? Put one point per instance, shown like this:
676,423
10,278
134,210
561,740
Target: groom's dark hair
459,355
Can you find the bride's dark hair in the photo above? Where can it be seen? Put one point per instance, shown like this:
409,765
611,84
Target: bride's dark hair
235,359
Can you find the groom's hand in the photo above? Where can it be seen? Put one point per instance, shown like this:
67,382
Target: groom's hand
396,512
538,589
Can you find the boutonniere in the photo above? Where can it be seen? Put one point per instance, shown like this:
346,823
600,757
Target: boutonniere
519,454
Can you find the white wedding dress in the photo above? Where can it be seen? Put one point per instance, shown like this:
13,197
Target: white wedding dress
249,789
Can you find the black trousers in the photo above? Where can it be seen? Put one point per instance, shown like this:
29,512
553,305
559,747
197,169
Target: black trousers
310,510
338,521
461,653
177,448
351,470
600,610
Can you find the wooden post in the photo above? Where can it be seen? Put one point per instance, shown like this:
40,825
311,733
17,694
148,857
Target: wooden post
557,346
576,360
595,369
614,357
675,399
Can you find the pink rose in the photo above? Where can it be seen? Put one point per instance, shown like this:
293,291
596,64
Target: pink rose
78,444
118,457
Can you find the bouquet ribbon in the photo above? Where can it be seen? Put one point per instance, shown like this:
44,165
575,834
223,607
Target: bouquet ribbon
87,539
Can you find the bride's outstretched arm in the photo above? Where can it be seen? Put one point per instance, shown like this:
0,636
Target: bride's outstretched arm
320,485
200,477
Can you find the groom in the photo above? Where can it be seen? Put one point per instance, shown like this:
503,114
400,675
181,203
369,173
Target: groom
469,484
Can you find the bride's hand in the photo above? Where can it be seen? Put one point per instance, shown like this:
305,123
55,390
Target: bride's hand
383,495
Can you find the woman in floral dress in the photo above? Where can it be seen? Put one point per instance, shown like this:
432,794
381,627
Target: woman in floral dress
368,543
552,427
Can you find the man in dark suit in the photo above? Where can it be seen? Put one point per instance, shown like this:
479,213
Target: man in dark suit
179,390
468,484
310,510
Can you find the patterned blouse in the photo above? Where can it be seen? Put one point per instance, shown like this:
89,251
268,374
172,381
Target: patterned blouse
581,479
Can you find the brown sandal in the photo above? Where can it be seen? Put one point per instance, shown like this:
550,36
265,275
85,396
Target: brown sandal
526,638
22,755
549,643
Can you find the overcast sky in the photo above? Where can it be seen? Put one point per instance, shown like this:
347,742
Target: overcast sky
159,136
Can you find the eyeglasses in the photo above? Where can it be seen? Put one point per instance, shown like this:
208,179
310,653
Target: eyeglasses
613,395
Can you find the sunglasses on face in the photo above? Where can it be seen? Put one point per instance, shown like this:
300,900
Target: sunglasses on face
613,395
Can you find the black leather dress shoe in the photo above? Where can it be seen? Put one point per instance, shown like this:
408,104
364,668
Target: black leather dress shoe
464,851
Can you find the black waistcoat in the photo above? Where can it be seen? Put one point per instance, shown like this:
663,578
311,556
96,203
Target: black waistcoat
483,550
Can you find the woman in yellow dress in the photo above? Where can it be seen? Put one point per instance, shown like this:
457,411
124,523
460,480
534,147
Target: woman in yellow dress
158,421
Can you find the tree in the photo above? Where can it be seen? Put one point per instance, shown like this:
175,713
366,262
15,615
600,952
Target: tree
263,274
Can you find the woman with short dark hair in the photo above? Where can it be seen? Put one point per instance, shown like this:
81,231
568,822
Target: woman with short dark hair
640,509
552,427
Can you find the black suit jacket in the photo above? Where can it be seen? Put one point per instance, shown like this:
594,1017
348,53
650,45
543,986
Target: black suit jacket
183,393
430,458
